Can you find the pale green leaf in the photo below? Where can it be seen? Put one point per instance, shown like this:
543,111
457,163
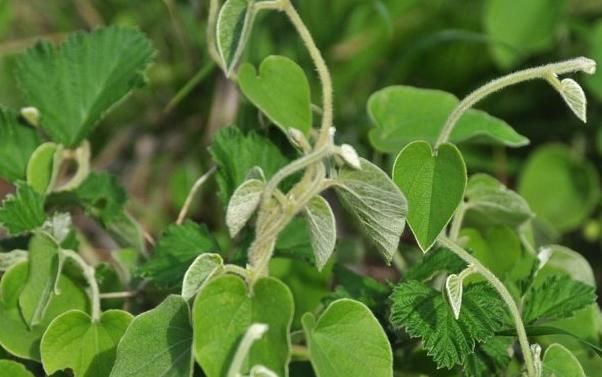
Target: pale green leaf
22,212
434,186
280,90
243,204
158,343
74,341
558,361
204,267
9,259
224,310
454,289
75,84
44,272
424,313
322,229
347,341
234,24
560,187
43,166
375,202
403,114
11,368
573,95
493,203
15,335
17,143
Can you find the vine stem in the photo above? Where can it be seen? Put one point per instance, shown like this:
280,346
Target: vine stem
89,275
253,334
193,191
505,295
542,72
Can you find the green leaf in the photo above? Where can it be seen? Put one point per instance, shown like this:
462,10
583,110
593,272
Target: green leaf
17,143
493,203
44,271
558,297
204,267
521,28
175,252
403,114
157,343
11,368
224,310
280,90
454,289
236,154
102,196
75,341
558,361
22,212
551,330
335,348
15,335
234,24
499,249
75,84
376,204
489,358
43,166
434,186
243,204
424,313
576,184
9,259
594,82
438,260
322,229
573,95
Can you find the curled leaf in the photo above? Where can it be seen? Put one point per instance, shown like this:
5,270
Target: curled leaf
573,95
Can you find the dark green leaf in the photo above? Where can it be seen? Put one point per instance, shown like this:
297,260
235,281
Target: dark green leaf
22,212
102,196
439,260
489,359
17,143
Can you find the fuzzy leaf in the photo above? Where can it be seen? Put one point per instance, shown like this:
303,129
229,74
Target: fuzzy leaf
424,313
573,95
204,267
558,361
243,204
22,212
376,203
17,143
234,24
558,297
454,289
322,229
158,343
9,259
176,251
75,84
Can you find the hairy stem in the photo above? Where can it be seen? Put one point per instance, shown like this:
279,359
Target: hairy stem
504,294
543,72
89,275
254,333
193,191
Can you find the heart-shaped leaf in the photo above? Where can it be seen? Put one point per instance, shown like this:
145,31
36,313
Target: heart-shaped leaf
11,368
281,91
224,310
74,341
204,267
322,229
454,290
433,184
234,24
243,204
43,167
336,349
573,95
558,361
157,343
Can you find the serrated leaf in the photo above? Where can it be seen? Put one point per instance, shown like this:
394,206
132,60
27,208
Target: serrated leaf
573,95
375,202
102,196
558,361
492,202
22,212
280,90
75,341
438,260
17,143
224,310
234,24
336,349
236,154
204,267
42,279
11,368
43,166
88,74
15,335
454,288
433,184
424,313
11,258
243,204
158,343
403,114
489,359
322,229
558,297
175,252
